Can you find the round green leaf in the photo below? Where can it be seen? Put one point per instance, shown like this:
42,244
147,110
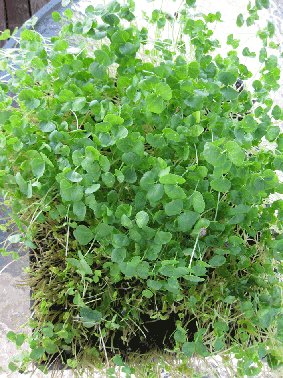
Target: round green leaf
164,90
38,167
213,154
73,176
47,126
221,184
188,349
240,20
83,235
155,285
193,70
198,202
217,260
36,353
171,179
174,207
174,192
65,95
90,317
171,134
162,237
118,255
142,219
78,104
60,45
235,153
147,293
227,78
187,220
155,193
108,179
155,103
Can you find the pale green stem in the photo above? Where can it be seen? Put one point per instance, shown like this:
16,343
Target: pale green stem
194,251
217,207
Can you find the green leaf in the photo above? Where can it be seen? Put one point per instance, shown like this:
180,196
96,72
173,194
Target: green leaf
93,188
174,207
73,176
217,260
131,159
278,163
103,230
126,221
83,235
114,119
265,3
129,174
271,62
60,45
147,180
229,93
56,16
155,103
36,353
164,90
110,19
13,367
227,78
189,349
162,237
65,95
38,167
155,285
235,153
85,267
187,220
78,104
120,240
6,34
108,179
171,134
171,179
74,262
47,126
76,193
213,154
128,49
155,193
79,209
147,293
180,335
118,255
198,202
156,141
174,192
102,58
220,184
272,133
90,317
142,219
193,70
11,336
240,20
97,71
123,209
276,112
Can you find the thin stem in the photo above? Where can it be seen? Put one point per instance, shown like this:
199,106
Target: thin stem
194,251
217,207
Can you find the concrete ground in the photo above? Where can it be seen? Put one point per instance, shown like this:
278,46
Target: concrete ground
14,304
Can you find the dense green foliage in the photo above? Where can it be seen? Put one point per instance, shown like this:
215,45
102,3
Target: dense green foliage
133,172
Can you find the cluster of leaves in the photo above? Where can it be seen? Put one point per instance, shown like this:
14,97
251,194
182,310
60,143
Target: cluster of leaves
152,180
